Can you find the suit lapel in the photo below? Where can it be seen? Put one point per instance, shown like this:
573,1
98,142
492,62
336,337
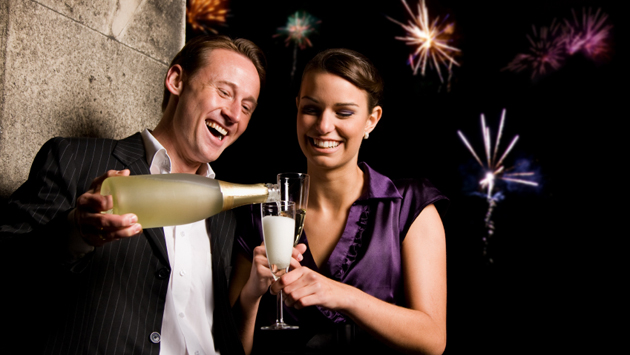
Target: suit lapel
130,151
221,230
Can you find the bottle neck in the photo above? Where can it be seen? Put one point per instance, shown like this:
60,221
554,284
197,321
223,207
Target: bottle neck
235,195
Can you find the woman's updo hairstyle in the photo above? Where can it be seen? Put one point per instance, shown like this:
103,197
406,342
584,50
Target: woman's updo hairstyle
351,66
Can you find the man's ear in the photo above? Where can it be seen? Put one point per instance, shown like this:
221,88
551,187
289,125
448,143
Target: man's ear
175,79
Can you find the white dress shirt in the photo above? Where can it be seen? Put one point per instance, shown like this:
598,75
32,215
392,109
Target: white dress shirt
187,322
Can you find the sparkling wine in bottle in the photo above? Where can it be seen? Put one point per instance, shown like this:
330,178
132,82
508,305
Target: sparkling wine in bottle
174,199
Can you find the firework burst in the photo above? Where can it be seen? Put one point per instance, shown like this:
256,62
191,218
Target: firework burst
551,46
297,31
201,14
546,52
588,36
298,28
495,169
430,39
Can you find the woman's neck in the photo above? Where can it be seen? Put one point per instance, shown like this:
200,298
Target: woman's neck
335,188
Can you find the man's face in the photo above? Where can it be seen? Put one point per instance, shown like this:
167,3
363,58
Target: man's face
215,106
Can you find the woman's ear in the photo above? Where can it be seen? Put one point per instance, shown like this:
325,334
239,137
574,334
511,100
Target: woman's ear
373,119
175,79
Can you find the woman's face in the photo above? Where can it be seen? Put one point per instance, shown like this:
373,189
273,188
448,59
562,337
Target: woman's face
332,117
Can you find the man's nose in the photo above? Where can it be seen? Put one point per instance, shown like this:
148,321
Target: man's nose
232,112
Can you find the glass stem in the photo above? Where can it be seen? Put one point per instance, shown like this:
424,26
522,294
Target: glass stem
279,316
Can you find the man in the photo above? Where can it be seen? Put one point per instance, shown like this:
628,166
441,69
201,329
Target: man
98,282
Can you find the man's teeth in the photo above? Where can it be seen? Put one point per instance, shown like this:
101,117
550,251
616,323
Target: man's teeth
217,128
325,144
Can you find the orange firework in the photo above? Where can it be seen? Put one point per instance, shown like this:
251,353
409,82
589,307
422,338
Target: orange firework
202,13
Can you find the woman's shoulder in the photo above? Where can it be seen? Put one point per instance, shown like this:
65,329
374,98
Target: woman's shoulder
415,192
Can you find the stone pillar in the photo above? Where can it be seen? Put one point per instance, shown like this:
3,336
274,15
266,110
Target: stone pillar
80,68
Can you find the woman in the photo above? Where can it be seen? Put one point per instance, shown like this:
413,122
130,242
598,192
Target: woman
373,258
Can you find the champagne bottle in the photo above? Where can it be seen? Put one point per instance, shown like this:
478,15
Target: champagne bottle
174,199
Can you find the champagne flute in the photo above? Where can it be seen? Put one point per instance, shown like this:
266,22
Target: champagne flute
294,187
278,222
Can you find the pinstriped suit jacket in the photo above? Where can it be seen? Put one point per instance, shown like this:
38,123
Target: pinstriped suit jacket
112,300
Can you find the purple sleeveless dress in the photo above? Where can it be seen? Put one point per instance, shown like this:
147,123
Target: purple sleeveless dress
367,256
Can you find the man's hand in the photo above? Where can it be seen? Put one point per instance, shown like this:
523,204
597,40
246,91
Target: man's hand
98,228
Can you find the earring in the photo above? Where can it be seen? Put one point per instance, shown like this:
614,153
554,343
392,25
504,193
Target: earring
366,135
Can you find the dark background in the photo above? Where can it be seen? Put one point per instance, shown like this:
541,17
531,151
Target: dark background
554,280
555,283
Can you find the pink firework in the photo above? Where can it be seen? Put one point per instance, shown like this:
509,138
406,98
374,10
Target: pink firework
589,35
546,52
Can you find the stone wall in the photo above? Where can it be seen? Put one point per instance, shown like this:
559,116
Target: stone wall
80,68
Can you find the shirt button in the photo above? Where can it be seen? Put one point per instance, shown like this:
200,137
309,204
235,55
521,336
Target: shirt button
155,337
182,315
162,273
182,273
196,352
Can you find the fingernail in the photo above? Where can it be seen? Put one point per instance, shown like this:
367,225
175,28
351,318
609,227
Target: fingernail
134,219
300,257
138,228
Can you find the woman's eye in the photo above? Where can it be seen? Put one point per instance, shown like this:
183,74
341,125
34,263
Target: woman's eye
345,113
307,110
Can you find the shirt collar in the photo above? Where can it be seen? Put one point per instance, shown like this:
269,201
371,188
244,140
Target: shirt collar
379,185
159,161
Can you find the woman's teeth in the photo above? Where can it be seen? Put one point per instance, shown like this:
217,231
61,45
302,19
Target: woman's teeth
217,128
325,144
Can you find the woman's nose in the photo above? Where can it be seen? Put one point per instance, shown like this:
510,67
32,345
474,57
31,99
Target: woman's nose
325,123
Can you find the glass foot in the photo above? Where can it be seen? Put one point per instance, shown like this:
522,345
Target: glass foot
279,326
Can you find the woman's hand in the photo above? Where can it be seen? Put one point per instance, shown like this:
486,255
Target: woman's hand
304,287
260,277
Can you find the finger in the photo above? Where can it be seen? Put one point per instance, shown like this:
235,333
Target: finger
306,301
287,279
106,221
260,250
110,235
297,254
294,264
107,227
301,248
96,183
94,202
306,291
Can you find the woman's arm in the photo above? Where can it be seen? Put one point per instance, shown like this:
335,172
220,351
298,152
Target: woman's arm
250,281
420,328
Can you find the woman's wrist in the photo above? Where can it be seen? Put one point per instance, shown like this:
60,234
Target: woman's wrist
249,296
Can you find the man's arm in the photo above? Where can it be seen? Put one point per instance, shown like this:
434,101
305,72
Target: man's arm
45,217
